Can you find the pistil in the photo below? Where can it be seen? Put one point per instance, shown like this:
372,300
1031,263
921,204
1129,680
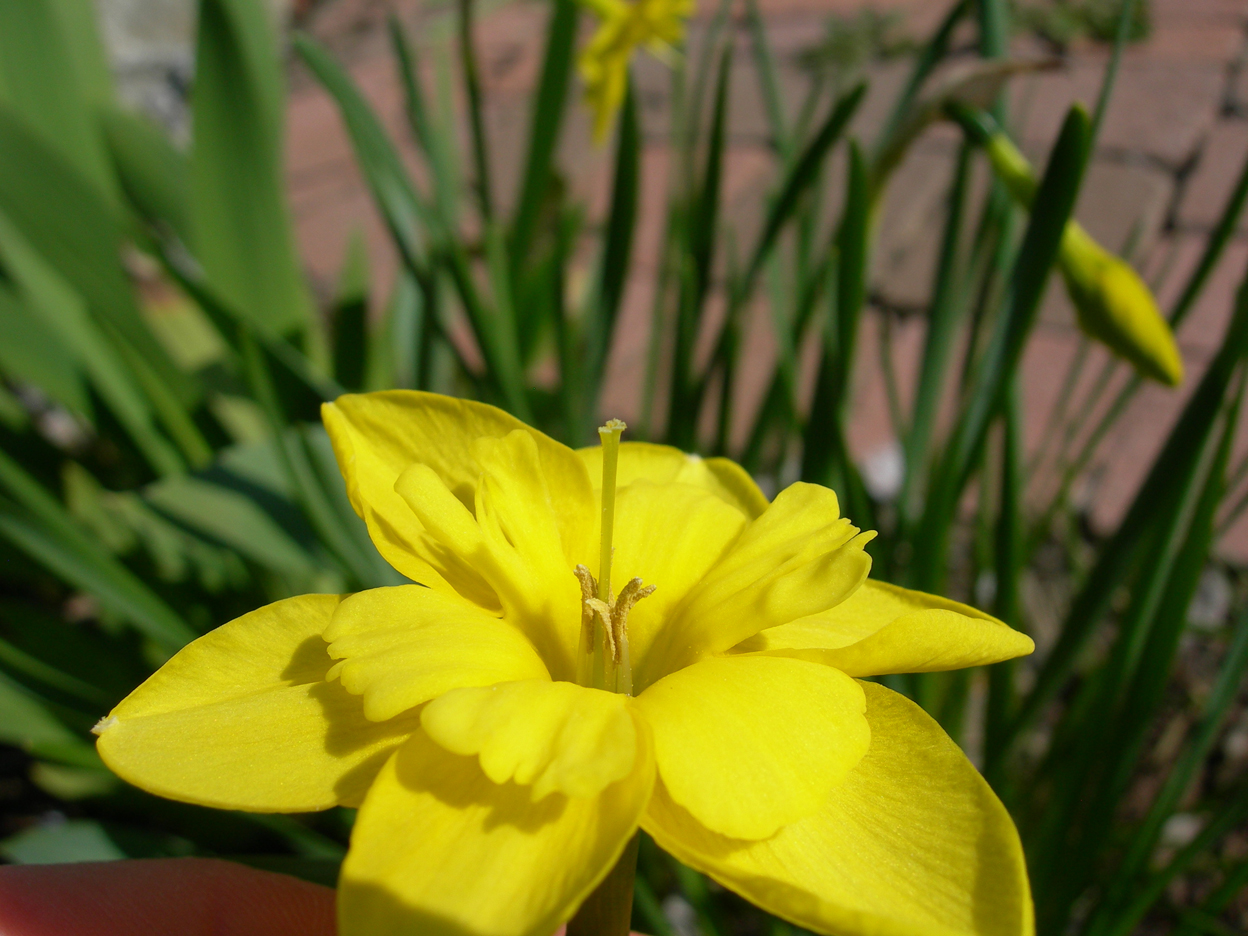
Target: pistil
603,659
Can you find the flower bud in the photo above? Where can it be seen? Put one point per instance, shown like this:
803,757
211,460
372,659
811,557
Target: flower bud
1112,303
1115,307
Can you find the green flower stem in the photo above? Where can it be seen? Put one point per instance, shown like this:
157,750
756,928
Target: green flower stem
608,911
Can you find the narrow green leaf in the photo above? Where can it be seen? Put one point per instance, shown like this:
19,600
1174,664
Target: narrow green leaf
768,80
944,318
68,223
59,307
233,519
154,175
476,106
1144,835
545,126
86,567
801,175
1054,203
32,353
26,722
349,316
1172,470
240,218
617,246
52,77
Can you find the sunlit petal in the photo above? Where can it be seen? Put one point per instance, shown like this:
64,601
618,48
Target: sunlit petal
882,628
242,718
749,744
551,736
913,843
669,535
441,850
377,436
663,464
404,645
799,558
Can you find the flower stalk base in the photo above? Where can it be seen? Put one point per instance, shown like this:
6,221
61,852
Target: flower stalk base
608,911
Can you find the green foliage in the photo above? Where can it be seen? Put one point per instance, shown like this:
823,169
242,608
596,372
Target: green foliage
162,469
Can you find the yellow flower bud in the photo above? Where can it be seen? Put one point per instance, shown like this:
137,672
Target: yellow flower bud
1112,303
1115,307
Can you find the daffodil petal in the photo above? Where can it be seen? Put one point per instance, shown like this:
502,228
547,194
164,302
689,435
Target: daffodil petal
750,744
376,436
799,558
242,718
551,736
663,464
405,645
882,628
913,843
668,535
441,850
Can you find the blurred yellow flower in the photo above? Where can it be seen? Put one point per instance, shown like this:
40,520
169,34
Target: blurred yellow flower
1112,303
657,24
497,785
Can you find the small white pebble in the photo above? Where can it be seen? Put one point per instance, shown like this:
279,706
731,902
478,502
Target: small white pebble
1180,829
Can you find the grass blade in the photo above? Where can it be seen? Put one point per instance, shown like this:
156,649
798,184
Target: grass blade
241,220
41,528
476,107
547,122
1173,470
1055,201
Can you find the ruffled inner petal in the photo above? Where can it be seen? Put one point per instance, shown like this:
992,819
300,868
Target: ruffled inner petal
799,558
668,535
750,744
399,647
549,736
441,849
378,436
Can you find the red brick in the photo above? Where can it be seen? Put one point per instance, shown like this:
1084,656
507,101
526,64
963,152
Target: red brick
1221,162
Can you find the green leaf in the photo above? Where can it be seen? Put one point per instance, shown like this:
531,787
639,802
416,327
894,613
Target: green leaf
825,452
549,107
39,526
1173,470
49,298
61,842
476,106
53,76
68,223
32,353
1054,202
154,175
240,218
233,519
801,175
349,317
25,722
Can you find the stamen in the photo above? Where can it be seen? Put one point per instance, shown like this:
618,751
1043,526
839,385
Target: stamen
603,663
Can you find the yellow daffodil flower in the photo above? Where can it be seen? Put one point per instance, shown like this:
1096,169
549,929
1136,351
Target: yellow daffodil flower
1112,303
626,24
471,718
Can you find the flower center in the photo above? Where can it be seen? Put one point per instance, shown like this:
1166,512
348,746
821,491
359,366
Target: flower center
603,661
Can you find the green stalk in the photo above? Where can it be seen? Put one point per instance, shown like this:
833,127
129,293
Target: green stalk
608,911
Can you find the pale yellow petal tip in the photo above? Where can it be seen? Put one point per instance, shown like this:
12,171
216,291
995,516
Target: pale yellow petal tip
104,724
